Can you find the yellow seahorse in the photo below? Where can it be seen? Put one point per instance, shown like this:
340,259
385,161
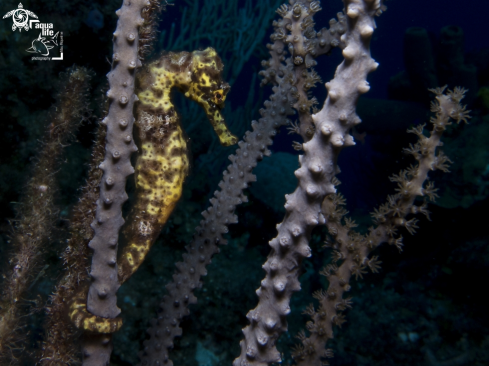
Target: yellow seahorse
162,164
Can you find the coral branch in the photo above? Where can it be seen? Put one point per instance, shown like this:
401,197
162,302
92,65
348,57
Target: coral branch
37,213
318,168
102,298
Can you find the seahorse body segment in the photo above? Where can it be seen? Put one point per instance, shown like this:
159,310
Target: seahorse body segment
163,164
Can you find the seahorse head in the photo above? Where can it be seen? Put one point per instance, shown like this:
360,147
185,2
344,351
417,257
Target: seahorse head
198,75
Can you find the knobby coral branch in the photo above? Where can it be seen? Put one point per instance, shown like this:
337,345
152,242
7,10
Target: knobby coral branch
102,298
318,168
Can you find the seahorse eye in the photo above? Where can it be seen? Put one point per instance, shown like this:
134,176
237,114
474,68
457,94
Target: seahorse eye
219,96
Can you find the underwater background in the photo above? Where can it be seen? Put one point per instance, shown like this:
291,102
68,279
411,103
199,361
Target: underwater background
427,306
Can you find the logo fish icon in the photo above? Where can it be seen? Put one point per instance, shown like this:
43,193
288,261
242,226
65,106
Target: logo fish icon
42,45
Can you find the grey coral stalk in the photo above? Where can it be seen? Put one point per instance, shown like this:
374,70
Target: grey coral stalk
318,168
102,298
